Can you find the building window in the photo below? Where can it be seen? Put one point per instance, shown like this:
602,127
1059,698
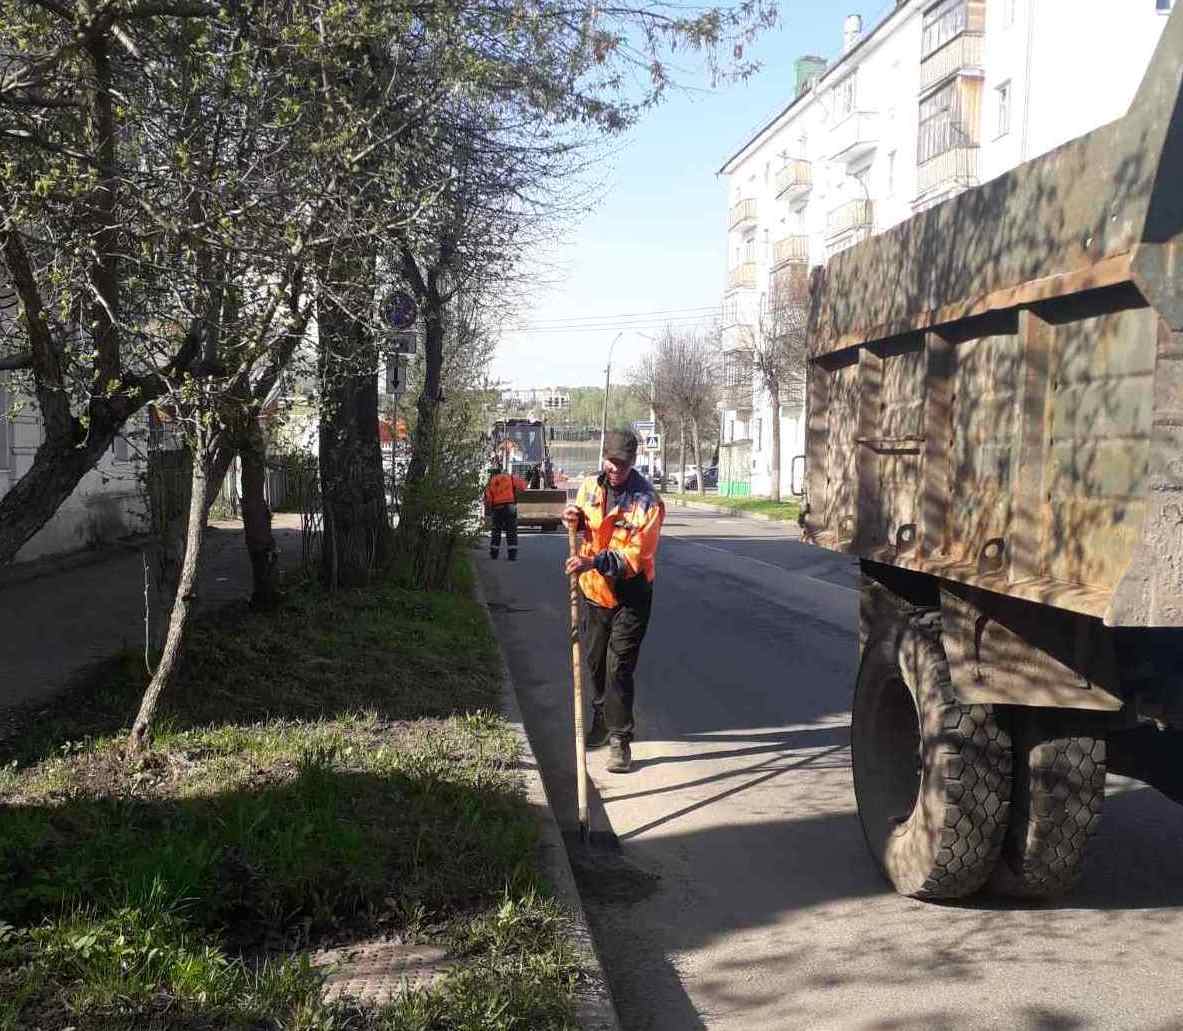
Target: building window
1163,5
759,434
120,449
5,428
846,93
891,174
1003,92
941,128
942,22
749,247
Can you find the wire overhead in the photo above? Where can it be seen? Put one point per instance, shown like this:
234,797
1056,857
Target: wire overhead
658,319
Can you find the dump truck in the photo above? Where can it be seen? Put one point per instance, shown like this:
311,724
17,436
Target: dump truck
521,447
995,432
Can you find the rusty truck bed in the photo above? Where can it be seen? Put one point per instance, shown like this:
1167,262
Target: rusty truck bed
996,385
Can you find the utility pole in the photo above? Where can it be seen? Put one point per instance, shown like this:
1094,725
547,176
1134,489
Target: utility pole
607,385
653,458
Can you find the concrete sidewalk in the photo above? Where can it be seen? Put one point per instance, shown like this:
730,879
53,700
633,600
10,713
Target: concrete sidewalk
58,616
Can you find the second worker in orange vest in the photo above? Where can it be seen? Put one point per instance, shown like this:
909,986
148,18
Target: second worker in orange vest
501,496
620,516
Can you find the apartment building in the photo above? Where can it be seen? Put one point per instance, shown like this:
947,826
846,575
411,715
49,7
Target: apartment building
934,99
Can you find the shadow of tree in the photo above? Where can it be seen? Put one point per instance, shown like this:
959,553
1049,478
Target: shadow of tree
400,654
272,864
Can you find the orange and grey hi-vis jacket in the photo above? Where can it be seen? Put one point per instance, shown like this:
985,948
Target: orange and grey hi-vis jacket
503,489
623,541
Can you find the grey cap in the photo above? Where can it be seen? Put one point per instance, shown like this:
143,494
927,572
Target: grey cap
620,445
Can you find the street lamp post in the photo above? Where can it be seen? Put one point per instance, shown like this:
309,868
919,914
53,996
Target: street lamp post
607,385
653,410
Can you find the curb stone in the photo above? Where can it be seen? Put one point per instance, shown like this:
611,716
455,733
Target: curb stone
594,1008
703,506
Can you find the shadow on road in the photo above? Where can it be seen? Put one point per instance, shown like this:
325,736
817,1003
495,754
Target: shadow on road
750,879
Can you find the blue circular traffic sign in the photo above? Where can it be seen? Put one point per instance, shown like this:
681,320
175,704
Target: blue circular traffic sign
400,310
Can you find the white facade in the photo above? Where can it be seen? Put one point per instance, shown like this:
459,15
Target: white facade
941,96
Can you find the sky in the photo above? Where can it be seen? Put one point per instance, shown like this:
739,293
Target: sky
657,241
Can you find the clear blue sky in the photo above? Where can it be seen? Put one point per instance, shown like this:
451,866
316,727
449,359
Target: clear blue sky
657,240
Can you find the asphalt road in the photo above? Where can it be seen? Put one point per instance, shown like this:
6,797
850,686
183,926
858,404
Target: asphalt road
743,897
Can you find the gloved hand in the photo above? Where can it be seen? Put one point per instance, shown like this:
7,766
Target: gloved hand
573,517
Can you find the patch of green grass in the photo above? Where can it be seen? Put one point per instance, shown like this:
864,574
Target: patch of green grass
121,970
325,773
519,953
786,510
404,654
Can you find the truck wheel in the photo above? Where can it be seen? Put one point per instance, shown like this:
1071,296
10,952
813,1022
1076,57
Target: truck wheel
932,776
1059,787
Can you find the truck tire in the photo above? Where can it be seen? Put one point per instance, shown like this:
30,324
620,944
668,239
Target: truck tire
932,776
1059,788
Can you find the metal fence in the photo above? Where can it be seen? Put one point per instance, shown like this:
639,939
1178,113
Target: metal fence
735,469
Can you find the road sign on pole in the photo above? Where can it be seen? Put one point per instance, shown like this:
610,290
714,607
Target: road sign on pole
404,341
396,376
399,310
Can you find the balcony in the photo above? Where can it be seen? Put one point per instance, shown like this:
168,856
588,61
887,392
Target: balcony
962,53
790,250
742,213
795,179
737,392
853,216
743,277
856,136
955,168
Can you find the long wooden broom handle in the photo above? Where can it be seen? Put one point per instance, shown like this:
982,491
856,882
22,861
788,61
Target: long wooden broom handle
577,675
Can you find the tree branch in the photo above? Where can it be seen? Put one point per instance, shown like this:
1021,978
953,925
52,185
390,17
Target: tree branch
61,10
48,376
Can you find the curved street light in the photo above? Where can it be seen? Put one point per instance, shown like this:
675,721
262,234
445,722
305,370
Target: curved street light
607,384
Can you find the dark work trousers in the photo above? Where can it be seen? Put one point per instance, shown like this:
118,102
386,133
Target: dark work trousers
505,517
611,640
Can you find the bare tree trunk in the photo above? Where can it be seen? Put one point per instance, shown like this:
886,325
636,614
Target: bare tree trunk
183,605
417,541
774,480
697,439
256,518
661,428
682,455
353,482
429,399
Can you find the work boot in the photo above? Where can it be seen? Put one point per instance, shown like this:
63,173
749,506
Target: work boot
513,554
597,734
620,755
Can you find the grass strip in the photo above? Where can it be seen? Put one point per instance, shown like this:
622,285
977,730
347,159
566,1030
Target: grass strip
326,774
786,510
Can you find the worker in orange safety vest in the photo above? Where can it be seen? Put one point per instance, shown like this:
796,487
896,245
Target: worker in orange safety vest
501,494
620,516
